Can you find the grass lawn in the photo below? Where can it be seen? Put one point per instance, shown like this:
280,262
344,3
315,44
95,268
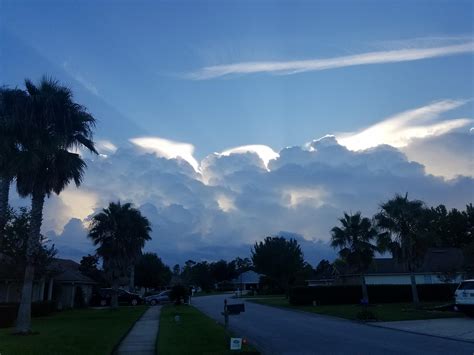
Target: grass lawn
194,334
384,312
85,331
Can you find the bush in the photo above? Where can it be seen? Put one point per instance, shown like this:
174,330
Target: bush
9,311
352,294
179,294
366,315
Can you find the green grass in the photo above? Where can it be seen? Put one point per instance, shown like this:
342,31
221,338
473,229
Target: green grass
194,334
383,312
85,331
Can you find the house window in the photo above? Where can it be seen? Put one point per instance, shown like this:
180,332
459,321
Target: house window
428,279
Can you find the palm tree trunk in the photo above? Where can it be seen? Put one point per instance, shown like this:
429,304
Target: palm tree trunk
4,192
414,291
114,301
365,293
23,322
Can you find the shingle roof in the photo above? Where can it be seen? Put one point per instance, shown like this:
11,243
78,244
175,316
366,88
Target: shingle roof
66,270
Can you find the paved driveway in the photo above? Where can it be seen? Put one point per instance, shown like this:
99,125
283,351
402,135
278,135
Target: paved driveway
279,331
458,328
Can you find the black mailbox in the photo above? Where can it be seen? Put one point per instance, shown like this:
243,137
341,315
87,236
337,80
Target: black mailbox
235,308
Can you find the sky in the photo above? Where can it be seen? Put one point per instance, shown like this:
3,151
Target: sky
226,121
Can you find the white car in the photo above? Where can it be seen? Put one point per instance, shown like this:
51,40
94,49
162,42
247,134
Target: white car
160,298
464,296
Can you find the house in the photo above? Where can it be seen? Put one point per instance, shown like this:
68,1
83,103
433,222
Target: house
62,285
247,280
440,265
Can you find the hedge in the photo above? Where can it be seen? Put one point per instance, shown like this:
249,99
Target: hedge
352,294
9,311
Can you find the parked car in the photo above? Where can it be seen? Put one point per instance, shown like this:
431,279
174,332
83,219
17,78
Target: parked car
464,297
104,297
160,298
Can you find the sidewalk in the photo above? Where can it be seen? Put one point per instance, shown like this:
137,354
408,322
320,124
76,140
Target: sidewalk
141,340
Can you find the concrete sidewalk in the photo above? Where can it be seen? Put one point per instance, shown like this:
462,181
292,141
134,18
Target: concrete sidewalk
141,340
452,328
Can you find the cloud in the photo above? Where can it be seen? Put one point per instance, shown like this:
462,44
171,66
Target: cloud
88,85
220,207
167,149
303,192
264,152
299,66
400,129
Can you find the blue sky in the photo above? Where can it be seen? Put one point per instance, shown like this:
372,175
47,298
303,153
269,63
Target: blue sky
134,55
282,75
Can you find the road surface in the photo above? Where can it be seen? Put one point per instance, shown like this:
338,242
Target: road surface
279,331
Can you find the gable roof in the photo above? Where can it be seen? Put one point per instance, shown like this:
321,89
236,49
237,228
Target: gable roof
436,260
66,270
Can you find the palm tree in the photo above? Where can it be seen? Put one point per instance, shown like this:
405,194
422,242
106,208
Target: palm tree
403,234
119,232
12,103
353,239
53,125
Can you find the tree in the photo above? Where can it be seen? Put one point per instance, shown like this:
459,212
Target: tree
404,234
323,267
151,272
53,124
119,232
353,239
279,259
89,265
12,104
13,248
222,271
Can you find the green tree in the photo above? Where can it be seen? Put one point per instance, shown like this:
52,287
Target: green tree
119,232
151,272
353,239
13,248
403,233
279,259
89,265
53,125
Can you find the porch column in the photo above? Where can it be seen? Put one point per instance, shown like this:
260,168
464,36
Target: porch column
41,290
7,291
50,289
73,295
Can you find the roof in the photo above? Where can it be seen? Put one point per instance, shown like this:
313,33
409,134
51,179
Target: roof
247,277
66,270
436,260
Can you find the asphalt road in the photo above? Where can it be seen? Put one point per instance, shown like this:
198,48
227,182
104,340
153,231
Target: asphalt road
279,331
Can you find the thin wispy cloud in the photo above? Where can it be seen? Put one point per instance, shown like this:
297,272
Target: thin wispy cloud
400,129
298,66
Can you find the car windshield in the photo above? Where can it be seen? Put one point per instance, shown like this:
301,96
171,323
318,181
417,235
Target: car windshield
466,285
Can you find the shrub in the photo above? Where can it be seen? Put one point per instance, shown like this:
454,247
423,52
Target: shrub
352,294
366,315
178,294
9,311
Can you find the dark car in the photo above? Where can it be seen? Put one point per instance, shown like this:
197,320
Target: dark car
103,297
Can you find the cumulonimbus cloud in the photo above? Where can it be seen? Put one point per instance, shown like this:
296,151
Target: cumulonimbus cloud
298,66
400,129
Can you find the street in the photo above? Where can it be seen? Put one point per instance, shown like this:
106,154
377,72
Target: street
278,331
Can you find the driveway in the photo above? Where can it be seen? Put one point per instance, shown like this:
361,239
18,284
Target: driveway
457,328
279,331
